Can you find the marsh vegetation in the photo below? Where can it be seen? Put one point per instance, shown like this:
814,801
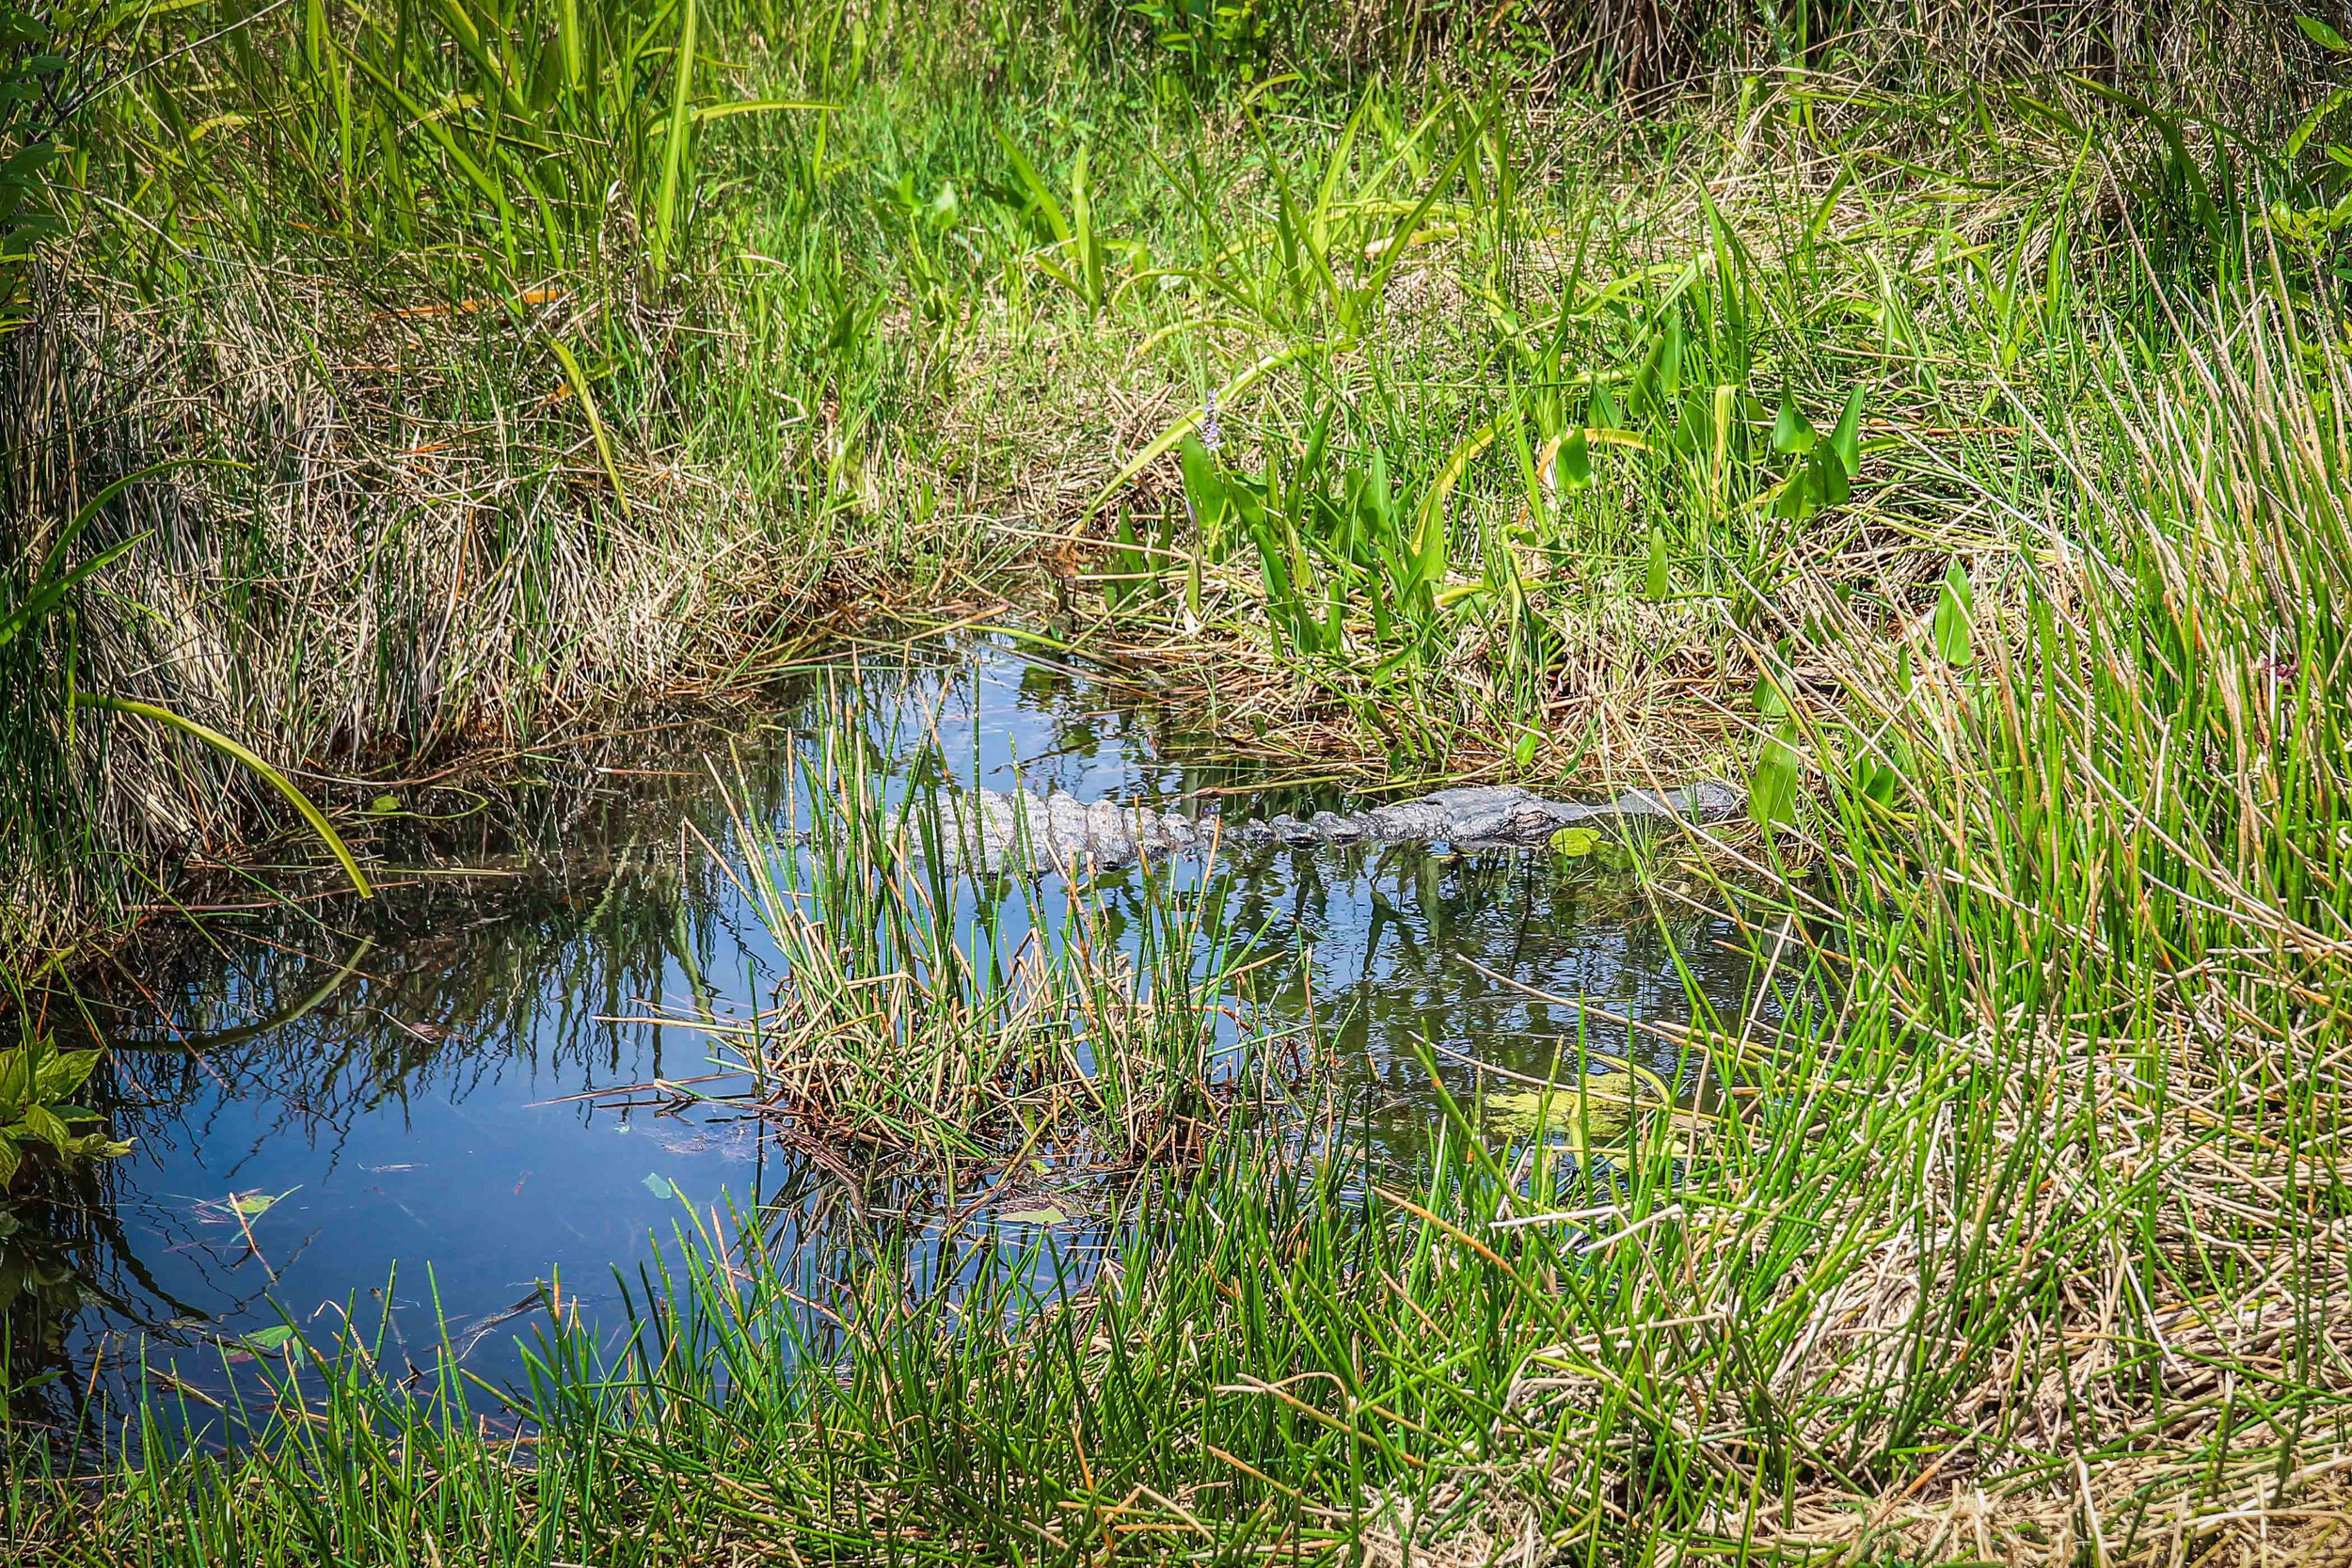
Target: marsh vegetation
1931,419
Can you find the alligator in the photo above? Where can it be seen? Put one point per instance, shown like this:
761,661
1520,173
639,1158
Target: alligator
1059,830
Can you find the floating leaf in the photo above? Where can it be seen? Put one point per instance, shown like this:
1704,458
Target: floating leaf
252,1204
1575,843
266,1341
1048,1216
659,1186
1955,612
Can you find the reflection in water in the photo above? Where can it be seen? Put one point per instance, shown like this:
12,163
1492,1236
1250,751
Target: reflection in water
401,1109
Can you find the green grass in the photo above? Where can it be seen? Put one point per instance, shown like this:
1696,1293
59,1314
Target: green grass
1962,462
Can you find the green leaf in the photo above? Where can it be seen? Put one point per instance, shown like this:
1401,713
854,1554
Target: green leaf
1876,782
659,1186
1047,1215
1792,434
1576,460
1657,582
2323,35
1605,413
674,146
268,1341
254,1204
1575,843
384,805
1846,440
42,1124
1795,501
1773,789
1204,488
221,743
1955,613
1525,752
1040,192
63,1073
1826,474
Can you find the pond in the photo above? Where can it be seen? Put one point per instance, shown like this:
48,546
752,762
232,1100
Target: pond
429,1108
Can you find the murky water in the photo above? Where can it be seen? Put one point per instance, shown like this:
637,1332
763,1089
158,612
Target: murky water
402,1097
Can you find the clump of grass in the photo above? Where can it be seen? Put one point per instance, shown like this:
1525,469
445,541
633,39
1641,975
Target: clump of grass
966,1024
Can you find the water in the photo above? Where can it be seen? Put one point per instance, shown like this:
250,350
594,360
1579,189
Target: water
408,1102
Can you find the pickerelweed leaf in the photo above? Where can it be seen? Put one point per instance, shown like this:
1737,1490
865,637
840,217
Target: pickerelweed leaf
1576,460
1657,581
1846,440
1773,789
1955,613
1826,472
1605,413
1792,433
2323,35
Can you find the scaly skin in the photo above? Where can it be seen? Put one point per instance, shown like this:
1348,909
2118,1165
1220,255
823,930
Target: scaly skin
1059,830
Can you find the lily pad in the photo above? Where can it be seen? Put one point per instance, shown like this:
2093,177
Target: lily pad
1575,843
1048,1216
1600,1108
252,1205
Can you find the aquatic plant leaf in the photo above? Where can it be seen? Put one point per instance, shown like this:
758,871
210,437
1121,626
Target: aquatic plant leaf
251,759
1576,460
42,1124
659,1186
384,805
266,1341
1792,434
1048,1216
1875,780
256,1203
63,1072
1605,411
1846,440
1575,843
1657,581
1826,476
2323,35
1772,789
1955,612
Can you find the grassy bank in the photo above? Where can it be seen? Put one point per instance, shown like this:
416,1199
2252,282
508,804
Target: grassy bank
1962,465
